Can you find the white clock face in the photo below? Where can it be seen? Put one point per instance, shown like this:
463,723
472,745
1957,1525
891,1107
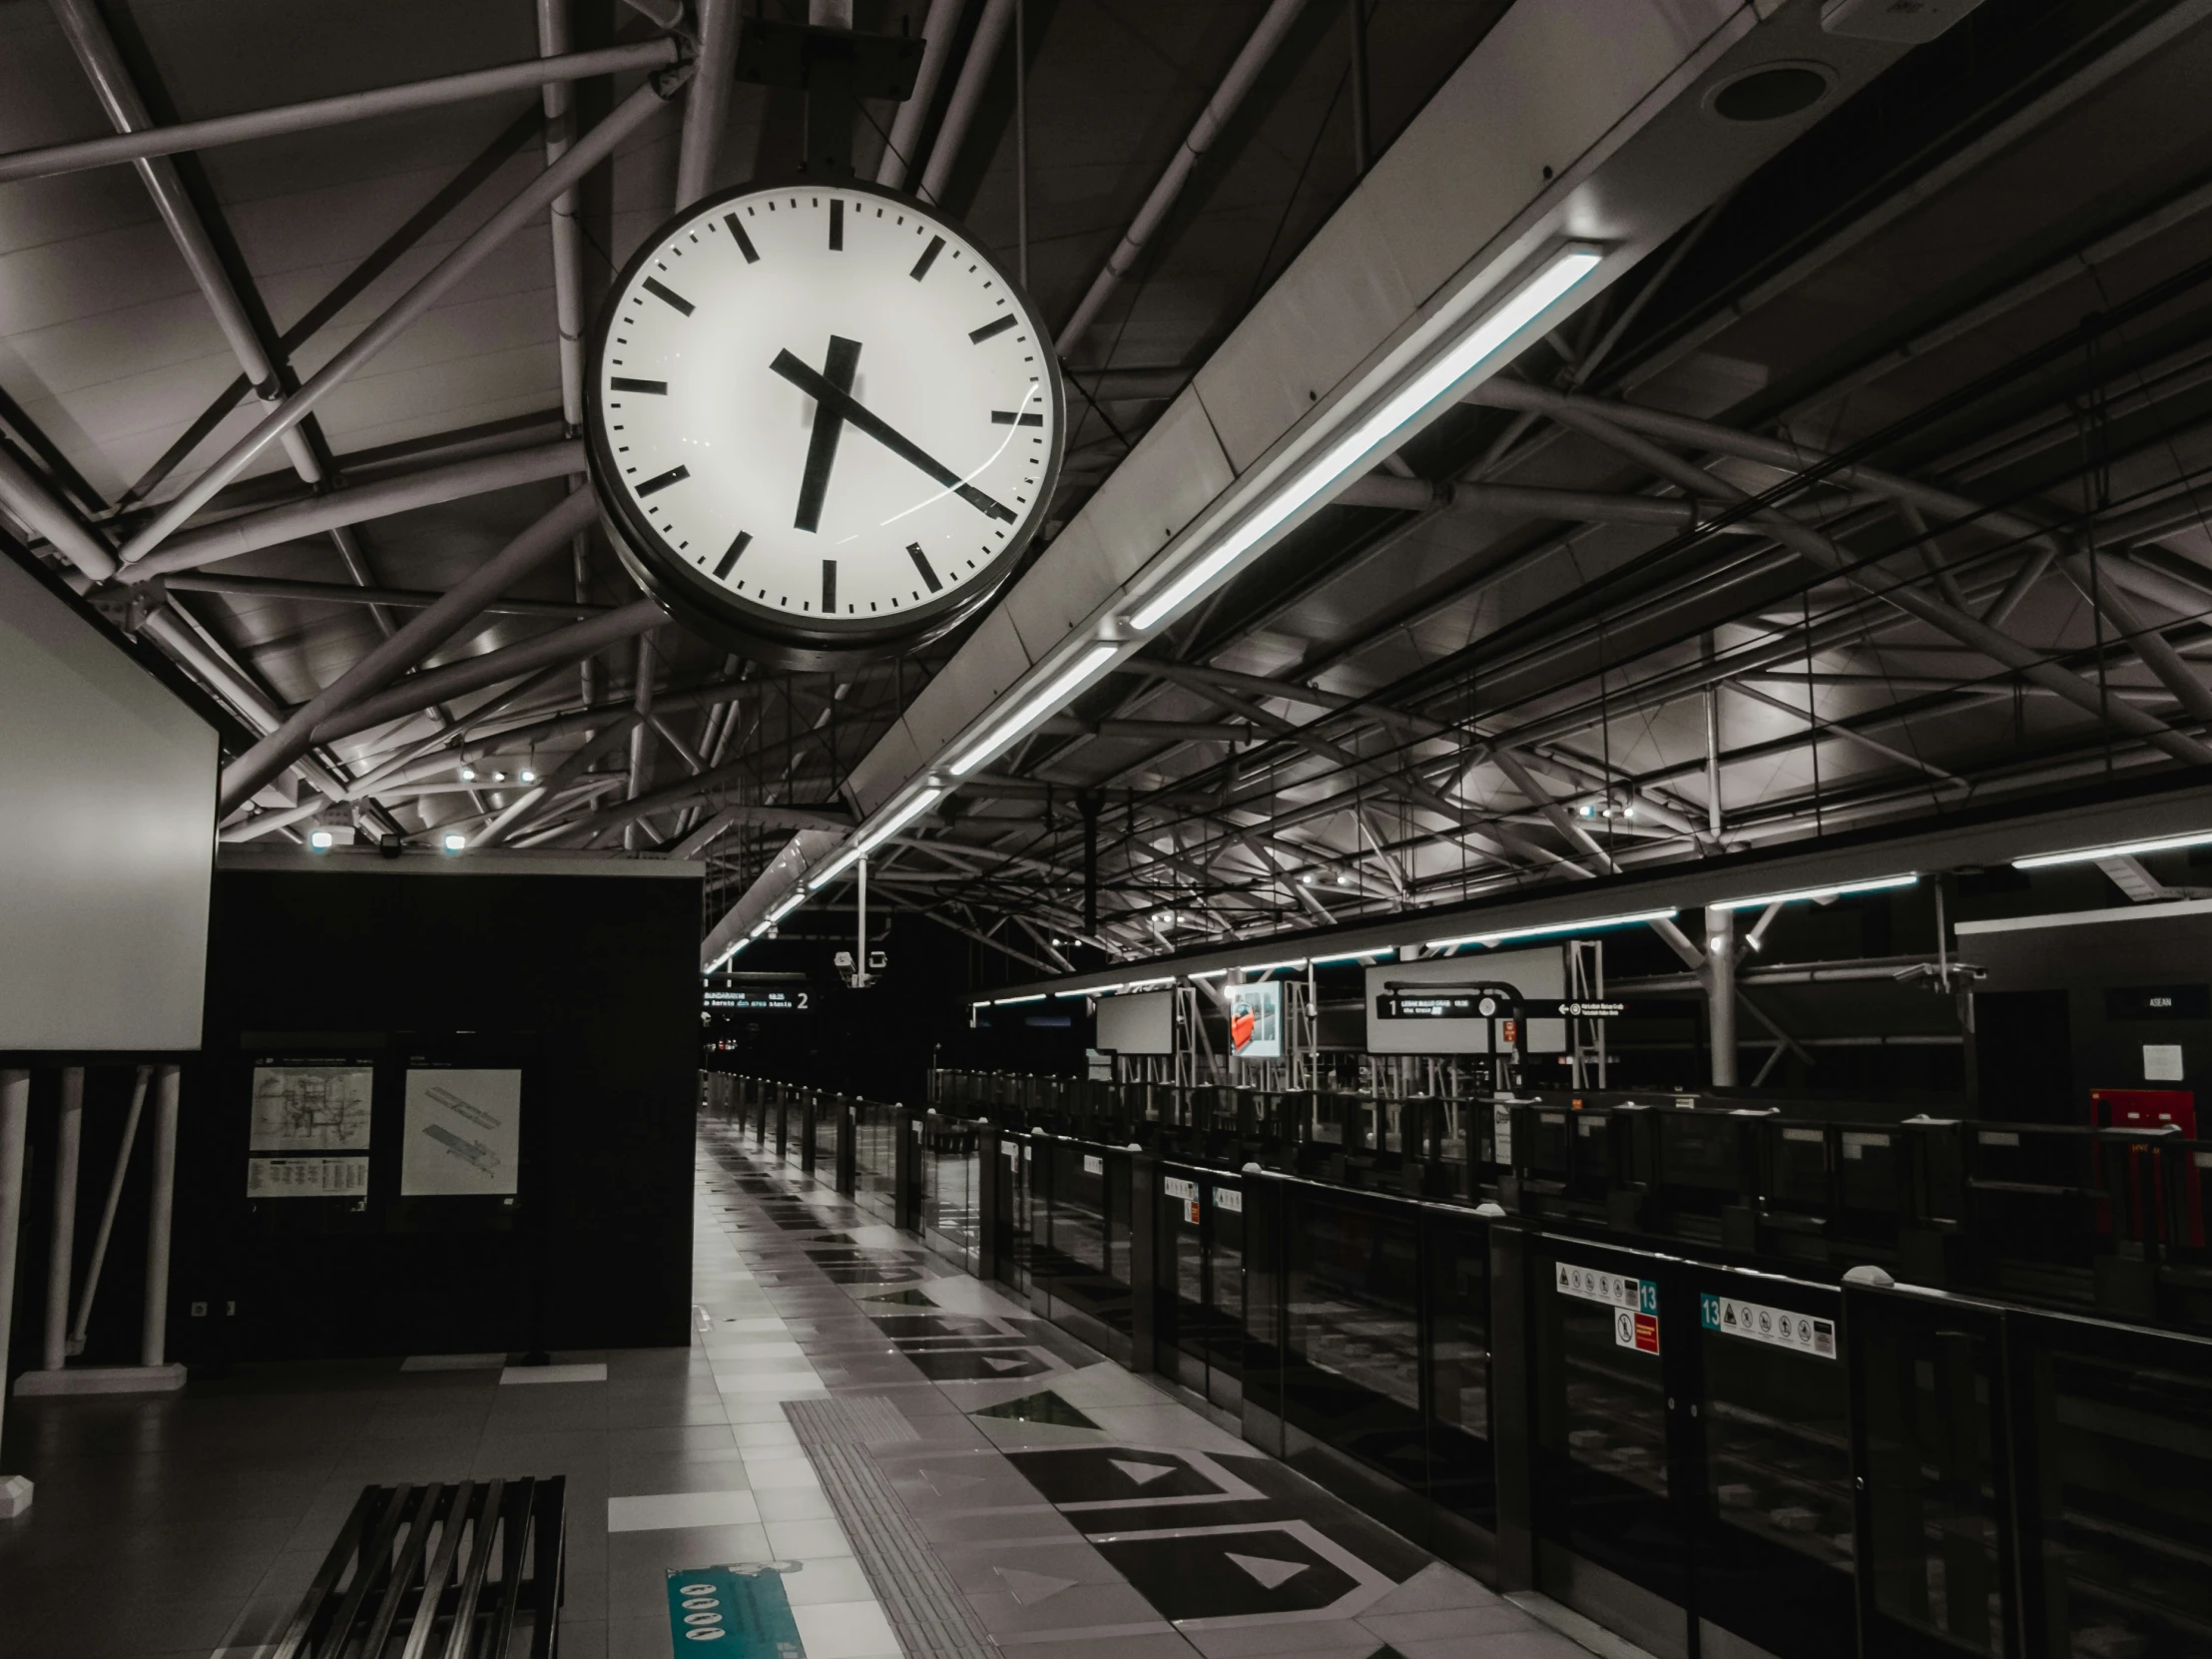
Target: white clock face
824,408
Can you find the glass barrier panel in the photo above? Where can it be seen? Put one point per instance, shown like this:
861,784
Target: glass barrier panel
1775,1547
1351,1361
1604,1500
1462,1469
1936,1552
2120,1424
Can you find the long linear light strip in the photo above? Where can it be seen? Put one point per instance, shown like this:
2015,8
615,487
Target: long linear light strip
2126,849
1558,277
1589,927
1047,701
872,838
1842,889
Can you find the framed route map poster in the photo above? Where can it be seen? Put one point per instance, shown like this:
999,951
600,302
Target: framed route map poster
463,1133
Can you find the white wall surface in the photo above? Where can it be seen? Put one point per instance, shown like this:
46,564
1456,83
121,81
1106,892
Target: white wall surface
107,839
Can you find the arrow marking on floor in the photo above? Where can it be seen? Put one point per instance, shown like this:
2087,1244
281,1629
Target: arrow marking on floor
1270,1574
1029,1588
1142,1474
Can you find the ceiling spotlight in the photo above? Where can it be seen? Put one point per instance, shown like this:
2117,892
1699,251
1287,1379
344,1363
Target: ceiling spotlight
1307,878
469,775
499,778
1588,810
453,841
527,775
321,841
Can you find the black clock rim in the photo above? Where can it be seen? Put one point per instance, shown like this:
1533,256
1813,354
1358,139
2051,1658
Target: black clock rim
708,607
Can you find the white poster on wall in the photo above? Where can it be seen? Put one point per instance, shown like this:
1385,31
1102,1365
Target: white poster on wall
1412,1009
463,1133
1256,1021
310,1108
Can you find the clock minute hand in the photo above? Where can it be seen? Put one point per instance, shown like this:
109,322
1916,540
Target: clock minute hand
862,418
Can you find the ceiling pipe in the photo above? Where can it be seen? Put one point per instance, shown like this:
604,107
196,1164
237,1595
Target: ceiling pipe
937,30
428,630
119,96
634,111
1273,25
707,104
357,504
967,92
335,112
568,242
1817,550
331,592
434,685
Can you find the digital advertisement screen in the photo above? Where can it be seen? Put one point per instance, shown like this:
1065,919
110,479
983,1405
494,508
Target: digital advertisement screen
1256,1021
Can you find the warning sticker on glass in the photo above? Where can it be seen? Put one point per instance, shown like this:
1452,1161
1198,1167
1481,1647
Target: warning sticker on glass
1637,1331
1093,1164
1185,1194
1229,1199
1778,1327
1617,1289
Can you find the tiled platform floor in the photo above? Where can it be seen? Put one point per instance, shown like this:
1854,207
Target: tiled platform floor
1083,1512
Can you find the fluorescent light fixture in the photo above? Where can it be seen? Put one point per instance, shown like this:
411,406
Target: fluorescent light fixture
453,841
787,907
1879,883
2126,850
1009,1001
899,820
1035,707
1346,957
1207,973
822,877
1557,277
1269,967
321,841
1147,984
1591,926
759,928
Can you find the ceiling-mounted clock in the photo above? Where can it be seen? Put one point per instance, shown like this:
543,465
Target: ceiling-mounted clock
822,421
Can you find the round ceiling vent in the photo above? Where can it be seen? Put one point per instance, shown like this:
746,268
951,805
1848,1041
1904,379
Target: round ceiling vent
1770,91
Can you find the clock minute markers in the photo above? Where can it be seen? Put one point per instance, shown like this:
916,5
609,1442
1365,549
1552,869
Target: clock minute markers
852,409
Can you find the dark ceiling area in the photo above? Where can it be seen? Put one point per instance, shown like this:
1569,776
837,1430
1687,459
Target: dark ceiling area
1874,495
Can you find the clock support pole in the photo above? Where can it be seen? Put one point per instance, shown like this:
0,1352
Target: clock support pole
836,68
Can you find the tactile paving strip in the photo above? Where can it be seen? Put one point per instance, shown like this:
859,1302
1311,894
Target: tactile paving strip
926,1610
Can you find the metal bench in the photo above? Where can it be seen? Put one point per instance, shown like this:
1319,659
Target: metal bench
438,1572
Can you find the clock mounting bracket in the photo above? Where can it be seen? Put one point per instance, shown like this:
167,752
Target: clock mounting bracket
836,69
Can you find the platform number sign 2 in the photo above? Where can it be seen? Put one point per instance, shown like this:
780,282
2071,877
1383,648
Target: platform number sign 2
822,423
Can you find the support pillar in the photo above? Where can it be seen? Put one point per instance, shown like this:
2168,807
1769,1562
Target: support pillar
154,1347
61,1250
1720,993
15,1117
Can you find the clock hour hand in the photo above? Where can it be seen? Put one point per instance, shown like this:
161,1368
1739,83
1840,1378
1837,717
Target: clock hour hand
831,398
822,450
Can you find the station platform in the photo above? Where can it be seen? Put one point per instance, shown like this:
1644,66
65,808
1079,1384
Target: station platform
938,1471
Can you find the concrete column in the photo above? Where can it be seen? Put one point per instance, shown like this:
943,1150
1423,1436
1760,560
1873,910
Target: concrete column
1720,993
62,1249
154,1345
15,1116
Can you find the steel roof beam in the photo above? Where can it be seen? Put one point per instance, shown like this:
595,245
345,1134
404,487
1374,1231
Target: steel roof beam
640,106
348,107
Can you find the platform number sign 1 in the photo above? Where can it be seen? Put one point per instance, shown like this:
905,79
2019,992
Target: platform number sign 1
822,423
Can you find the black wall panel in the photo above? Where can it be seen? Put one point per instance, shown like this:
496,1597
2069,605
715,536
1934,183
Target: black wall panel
590,984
